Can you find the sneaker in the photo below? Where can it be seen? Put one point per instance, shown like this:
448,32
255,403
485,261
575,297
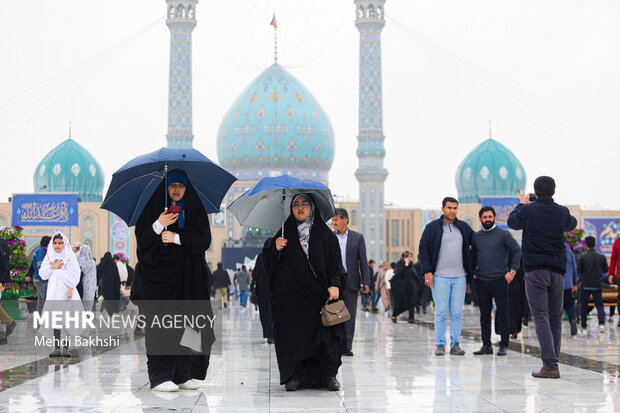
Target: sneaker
573,327
365,308
188,385
455,350
374,310
166,386
484,350
440,350
601,328
609,320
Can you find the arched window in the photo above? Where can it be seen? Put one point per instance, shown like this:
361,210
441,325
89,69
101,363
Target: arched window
88,227
171,11
190,12
360,12
180,11
380,12
370,12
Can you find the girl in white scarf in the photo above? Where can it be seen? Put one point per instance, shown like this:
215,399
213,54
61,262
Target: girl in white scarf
62,270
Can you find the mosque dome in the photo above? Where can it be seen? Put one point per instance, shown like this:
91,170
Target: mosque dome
490,169
69,167
276,127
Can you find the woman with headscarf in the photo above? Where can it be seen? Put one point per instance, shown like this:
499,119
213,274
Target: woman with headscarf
172,266
304,270
89,280
62,271
110,284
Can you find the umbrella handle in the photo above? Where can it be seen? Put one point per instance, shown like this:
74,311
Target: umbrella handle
283,199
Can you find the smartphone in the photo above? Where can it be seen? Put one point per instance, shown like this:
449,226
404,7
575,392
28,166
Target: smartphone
173,209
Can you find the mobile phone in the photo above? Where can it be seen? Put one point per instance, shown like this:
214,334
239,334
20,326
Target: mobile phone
173,209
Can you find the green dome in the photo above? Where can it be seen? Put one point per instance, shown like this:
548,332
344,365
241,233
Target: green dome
490,169
70,168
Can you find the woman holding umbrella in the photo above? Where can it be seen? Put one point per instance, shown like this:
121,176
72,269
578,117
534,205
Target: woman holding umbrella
171,253
305,270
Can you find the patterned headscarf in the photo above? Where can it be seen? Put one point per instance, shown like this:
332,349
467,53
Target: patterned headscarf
304,227
85,258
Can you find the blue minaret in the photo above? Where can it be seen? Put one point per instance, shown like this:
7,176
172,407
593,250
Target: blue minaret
181,20
371,174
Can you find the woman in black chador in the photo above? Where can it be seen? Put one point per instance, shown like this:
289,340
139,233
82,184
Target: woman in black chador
110,283
172,266
404,288
305,270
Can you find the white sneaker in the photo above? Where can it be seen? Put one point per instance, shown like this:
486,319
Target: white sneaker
189,385
601,328
166,386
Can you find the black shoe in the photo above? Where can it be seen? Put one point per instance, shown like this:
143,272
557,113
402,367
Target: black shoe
424,310
411,321
56,353
501,351
440,350
3,341
348,353
292,385
270,341
10,328
573,327
65,353
524,321
225,305
484,350
332,384
394,319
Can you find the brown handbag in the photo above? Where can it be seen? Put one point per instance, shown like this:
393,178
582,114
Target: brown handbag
334,313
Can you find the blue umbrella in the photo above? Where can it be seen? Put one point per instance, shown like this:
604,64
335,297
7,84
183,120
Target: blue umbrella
265,205
133,185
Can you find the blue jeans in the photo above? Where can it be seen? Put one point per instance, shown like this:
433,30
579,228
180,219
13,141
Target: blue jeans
449,296
243,298
376,295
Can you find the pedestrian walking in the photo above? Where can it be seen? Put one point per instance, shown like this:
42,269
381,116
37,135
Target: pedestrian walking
614,270
404,288
221,284
492,247
37,259
171,252
89,279
544,261
446,261
382,285
304,272
570,287
353,251
243,281
368,299
109,284
591,266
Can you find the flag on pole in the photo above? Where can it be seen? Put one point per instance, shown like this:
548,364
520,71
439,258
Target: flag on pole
274,23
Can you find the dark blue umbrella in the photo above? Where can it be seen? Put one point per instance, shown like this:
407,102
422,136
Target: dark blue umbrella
133,185
265,205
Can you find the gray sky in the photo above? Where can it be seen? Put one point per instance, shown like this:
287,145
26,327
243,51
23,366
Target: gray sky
545,72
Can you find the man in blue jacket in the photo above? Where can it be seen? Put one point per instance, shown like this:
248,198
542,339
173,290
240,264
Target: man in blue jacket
544,261
445,253
37,260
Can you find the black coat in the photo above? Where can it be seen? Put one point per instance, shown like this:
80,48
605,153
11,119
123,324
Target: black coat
107,273
430,244
220,278
298,286
176,272
591,266
5,258
543,223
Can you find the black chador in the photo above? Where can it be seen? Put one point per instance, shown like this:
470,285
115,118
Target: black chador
305,349
173,272
110,283
263,296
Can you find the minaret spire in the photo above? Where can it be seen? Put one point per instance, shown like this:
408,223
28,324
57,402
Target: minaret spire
181,20
490,130
69,129
274,23
371,173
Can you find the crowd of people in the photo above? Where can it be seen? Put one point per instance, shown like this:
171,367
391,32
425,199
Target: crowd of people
308,265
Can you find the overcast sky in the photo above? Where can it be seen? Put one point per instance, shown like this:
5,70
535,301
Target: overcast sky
545,72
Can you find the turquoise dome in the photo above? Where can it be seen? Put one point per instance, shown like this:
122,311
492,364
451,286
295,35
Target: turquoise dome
70,168
490,169
276,127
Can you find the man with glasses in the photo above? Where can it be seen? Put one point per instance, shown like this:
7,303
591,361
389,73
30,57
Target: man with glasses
353,250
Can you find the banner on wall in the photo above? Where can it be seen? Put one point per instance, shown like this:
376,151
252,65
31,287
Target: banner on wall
503,207
120,236
605,230
45,210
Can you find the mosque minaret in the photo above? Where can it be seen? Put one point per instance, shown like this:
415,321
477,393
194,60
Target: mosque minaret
371,173
181,20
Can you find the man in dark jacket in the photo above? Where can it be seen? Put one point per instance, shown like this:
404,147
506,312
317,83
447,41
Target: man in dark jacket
221,284
353,250
544,261
591,266
445,252
491,248
5,277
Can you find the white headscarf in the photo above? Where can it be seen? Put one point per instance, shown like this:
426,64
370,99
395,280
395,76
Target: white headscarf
65,255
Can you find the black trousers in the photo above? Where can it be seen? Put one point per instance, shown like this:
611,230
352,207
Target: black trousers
597,297
487,291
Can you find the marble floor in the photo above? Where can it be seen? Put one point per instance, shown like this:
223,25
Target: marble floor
393,370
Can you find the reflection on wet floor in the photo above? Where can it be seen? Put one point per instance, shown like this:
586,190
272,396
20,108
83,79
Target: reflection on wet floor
393,370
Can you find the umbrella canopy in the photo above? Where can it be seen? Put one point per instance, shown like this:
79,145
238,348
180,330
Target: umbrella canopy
266,204
133,184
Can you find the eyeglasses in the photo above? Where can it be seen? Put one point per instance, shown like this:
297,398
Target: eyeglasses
301,204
